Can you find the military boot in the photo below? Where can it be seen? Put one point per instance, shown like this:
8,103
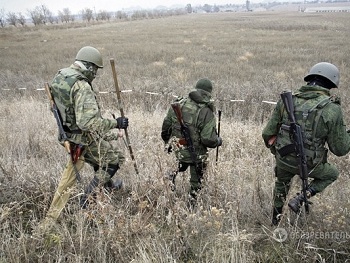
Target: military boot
296,202
192,201
276,215
192,197
84,202
171,176
117,184
113,185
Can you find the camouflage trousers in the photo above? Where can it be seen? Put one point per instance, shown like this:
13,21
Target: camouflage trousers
195,180
99,155
322,175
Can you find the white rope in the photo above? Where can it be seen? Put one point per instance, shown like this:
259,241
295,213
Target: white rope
150,93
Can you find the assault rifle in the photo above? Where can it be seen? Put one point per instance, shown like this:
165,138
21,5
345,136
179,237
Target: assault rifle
73,150
217,148
187,135
296,134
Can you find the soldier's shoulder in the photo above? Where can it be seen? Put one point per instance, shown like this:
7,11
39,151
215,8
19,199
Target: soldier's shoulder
82,84
180,99
335,99
332,109
81,87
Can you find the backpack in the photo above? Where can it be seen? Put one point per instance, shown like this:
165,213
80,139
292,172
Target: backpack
61,91
190,113
308,113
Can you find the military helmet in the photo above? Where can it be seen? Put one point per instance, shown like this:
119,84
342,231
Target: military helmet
325,70
90,54
204,84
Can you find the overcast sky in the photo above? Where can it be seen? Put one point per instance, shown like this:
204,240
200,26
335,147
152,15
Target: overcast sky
110,5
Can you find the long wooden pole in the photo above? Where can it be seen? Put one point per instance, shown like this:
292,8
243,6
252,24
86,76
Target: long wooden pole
122,113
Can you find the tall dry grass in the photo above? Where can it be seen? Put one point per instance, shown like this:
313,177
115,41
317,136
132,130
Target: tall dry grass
249,56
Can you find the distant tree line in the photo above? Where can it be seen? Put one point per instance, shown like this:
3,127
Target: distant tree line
41,15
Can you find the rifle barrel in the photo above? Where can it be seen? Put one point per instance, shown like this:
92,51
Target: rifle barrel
217,148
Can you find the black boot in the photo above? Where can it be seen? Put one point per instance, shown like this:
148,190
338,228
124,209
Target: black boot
117,184
296,202
171,176
276,215
192,200
113,185
84,202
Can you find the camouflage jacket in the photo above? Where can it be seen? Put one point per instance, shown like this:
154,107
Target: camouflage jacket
324,125
76,101
198,115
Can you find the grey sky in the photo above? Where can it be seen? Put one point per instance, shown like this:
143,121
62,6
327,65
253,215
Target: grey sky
110,5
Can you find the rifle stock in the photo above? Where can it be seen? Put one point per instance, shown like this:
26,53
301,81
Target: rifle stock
287,99
297,137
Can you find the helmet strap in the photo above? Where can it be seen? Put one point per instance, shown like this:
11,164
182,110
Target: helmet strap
89,69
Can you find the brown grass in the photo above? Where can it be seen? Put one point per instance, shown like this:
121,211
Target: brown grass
249,56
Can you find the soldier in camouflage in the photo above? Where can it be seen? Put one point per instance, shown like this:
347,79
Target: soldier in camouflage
320,116
198,114
75,98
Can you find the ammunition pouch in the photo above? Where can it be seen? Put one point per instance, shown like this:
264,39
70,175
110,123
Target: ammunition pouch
290,148
313,156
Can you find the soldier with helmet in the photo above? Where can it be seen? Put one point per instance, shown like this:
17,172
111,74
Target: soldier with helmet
84,125
198,115
321,118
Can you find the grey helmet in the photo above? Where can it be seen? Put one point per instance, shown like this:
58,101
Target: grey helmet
325,70
90,54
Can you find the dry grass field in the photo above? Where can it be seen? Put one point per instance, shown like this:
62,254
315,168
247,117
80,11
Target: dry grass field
248,56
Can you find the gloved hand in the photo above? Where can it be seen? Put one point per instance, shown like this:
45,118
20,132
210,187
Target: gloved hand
122,123
219,141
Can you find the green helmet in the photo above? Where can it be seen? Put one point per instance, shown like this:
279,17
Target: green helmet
326,70
90,54
204,84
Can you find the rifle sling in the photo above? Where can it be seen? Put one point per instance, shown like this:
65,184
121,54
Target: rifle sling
73,132
290,148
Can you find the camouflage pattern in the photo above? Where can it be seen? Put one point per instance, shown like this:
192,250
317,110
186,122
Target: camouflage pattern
76,101
103,153
198,114
308,113
81,113
321,119
84,125
323,175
